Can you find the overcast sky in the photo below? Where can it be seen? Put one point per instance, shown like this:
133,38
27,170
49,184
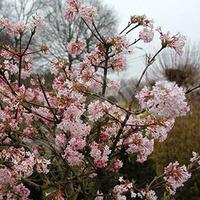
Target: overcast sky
173,15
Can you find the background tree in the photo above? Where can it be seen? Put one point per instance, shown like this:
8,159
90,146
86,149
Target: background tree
59,31
184,70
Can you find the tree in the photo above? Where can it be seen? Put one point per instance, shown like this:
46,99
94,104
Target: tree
184,70
73,142
59,31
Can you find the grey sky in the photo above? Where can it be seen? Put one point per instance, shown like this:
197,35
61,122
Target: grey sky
173,15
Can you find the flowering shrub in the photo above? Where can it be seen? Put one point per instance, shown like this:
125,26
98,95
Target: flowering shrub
67,140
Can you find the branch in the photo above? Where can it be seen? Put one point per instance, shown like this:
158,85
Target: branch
105,71
46,98
192,89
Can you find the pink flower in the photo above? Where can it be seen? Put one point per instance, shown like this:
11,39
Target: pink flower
23,191
77,143
97,109
165,99
116,166
75,47
100,155
175,176
142,20
177,42
141,145
146,35
42,164
12,28
87,12
195,158
150,195
5,178
158,131
119,63
38,22
73,157
70,13
73,3
120,191
119,43
61,140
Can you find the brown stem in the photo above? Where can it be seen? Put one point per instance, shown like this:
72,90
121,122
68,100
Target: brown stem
92,31
134,42
192,89
20,60
105,72
30,39
98,33
132,28
125,28
150,62
46,98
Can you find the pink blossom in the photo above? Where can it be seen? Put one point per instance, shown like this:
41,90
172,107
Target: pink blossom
177,42
38,22
120,44
150,195
87,12
73,3
5,178
142,20
23,191
77,143
99,154
75,47
12,28
70,13
141,145
195,158
146,35
73,157
116,166
8,65
120,191
158,131
61,140
175,176
119,64
42,165
165,99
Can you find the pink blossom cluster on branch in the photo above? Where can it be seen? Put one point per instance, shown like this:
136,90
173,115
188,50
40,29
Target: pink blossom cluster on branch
72,135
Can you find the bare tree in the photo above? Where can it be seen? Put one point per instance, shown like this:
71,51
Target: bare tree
60,31
184,70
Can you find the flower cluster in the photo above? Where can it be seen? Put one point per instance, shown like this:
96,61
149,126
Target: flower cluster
175,175
176,42
146,35
75,47
142,20
140,145
165,99
85,11
20,165
99,154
